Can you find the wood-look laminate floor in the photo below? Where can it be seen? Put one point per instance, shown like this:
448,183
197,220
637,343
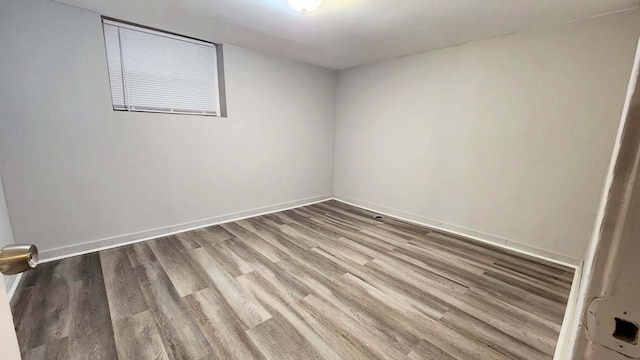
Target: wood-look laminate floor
326,281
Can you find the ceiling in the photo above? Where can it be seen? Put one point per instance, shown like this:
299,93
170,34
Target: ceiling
345,33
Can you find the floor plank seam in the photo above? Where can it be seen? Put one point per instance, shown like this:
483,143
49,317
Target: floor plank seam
329,279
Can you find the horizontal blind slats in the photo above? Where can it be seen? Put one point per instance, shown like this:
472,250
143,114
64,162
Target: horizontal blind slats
161,73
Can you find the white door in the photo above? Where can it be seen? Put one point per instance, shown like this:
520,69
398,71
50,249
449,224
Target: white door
8,340
608,327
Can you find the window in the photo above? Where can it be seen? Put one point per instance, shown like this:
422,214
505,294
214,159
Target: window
155,71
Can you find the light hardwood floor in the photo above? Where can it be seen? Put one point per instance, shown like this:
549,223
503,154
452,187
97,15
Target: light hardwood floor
326,281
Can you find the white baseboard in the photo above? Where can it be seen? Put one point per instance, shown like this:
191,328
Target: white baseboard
565,346
102,244
97,245
564,339
467,233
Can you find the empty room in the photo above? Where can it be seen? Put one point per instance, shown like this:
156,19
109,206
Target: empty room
319,179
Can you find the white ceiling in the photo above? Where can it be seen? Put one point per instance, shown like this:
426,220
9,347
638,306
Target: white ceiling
345,33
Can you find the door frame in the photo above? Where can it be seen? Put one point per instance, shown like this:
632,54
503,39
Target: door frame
610,255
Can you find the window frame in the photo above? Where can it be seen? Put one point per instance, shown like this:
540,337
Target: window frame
219,49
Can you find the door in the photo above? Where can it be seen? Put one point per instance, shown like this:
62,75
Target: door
607,326
8,340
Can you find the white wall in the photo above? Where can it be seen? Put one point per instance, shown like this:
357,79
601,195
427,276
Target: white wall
75,171
508,139
6,234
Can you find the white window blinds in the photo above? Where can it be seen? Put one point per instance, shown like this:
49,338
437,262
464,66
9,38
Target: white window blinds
159,72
